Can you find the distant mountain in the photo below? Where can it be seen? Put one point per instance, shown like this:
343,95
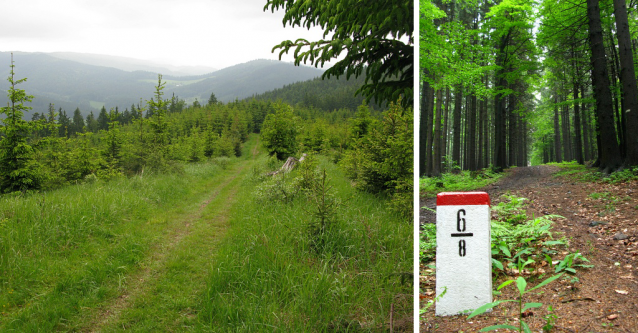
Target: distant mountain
131,65
70,84
329,94
247,79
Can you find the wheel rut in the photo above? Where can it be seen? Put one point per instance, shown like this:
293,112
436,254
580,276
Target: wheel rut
151,267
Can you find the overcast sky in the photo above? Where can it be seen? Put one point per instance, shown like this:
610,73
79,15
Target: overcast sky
215,33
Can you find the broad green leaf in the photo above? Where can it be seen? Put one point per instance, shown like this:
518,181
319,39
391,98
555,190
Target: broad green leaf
486,307
531,305
492,328
504,284
505,250
521,284
547,281
497,263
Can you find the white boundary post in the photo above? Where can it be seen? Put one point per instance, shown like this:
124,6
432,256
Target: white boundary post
463,254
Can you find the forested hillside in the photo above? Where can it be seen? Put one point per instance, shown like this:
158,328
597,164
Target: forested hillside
69,85
515,82
325,94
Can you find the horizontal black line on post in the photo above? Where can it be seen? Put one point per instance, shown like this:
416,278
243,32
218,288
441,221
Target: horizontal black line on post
467,234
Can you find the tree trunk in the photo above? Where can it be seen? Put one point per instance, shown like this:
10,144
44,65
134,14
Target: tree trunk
424,129
567,142
609,152
472,134
557,145
444,146
436,165
628,80
456,134
578,149
511,130
429,109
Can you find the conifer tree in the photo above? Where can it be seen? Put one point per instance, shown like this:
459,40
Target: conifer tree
159,124
19,170
103,120
78,122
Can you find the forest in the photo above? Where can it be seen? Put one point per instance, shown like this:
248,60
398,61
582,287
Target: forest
533,103
514,83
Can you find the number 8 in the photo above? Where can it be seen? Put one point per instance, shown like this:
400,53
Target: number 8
462,248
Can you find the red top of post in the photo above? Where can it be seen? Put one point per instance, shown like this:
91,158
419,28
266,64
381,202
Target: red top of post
462,198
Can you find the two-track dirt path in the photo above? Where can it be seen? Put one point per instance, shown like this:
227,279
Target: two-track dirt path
187,245
605,297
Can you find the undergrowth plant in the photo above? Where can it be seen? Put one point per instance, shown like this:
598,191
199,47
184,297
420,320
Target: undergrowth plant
521,284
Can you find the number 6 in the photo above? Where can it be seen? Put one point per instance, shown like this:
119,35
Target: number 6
460,219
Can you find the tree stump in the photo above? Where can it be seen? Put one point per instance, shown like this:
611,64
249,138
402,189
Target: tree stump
290,164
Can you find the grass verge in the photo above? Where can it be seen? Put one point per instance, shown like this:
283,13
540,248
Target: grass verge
269,274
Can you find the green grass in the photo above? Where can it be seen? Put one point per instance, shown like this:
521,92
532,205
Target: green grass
200,251
267,276
66,251
581,173
464,181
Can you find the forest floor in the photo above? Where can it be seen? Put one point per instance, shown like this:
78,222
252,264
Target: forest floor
603,227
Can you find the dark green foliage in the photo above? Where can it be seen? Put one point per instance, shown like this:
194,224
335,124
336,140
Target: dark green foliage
91,123
279,133
64,124
368,37
19,170
323,212
326,94
78,122
103,120
212,100
381,161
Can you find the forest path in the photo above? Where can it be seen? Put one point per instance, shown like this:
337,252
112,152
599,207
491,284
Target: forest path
601,222
164,292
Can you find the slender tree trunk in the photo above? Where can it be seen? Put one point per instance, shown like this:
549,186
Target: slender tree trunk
472,134
444,146
567,142
609,151
586,131
481,135
511,130
578,149
456,134
436,167
628,81
429,109
557,145
615,94
486,130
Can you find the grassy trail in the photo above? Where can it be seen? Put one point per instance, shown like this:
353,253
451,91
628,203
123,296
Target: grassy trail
147,272
162,294
175,270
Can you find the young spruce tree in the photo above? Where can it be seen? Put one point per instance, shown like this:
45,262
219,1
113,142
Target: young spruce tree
19,171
